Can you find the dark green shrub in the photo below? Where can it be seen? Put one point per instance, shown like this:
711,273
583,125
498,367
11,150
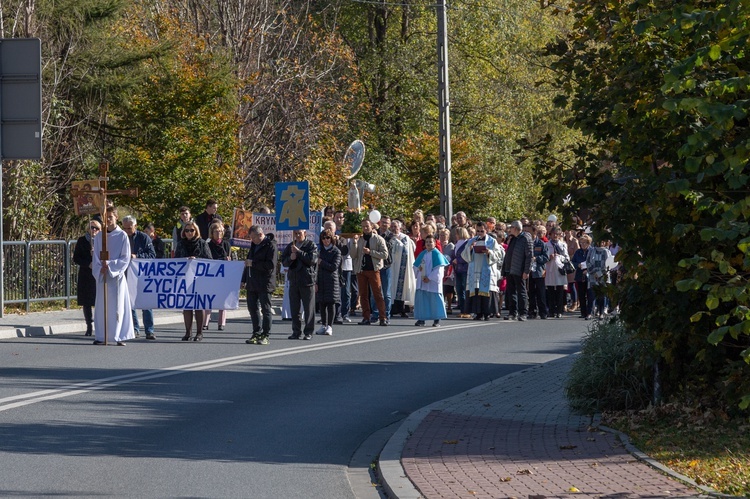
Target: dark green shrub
612,372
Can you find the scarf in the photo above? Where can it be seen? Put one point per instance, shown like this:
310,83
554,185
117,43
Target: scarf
438,259
192,246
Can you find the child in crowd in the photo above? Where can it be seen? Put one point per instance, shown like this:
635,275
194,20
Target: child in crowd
429,268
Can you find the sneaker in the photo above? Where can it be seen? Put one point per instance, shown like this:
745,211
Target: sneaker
364,322
510,318
328,331
263,340
121,343
346,319
384,322
436,324
294,337
374,320
253,340
321,330
521,318
137,334
338,320
419,323
221,328
307,337
150,336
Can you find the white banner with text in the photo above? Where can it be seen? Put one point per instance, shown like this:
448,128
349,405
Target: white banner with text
183,284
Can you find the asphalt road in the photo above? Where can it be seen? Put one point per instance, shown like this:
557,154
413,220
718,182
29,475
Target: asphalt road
224,419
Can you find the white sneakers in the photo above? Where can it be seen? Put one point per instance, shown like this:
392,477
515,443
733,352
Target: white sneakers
325,330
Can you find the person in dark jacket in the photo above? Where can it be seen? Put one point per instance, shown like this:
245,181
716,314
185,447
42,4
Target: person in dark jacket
192,246
140,247
159,246
260,281
220,250
328,287
582,276
516,268
461,267
83,256
208,218
537,288
343,246
301,258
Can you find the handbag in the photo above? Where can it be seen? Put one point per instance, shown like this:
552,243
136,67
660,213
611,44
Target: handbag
448,278
567,267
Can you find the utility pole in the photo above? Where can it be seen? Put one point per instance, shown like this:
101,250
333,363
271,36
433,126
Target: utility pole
446,190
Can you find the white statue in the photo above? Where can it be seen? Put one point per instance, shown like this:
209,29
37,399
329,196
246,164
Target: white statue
357,193
354,200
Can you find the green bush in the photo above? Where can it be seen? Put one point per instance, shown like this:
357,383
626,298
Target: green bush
610,373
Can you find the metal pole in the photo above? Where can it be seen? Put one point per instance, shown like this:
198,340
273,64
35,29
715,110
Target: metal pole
446,192
2,249
104,254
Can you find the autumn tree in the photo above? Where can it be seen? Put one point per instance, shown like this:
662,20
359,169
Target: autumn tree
494,97
659,93
177,134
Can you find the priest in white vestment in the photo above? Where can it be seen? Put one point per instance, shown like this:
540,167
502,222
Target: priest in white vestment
403,284
110,276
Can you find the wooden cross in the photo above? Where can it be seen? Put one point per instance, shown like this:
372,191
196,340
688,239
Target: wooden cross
102,190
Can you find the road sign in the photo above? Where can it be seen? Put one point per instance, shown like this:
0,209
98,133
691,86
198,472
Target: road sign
21,98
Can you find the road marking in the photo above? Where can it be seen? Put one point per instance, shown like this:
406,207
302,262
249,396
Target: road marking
17,401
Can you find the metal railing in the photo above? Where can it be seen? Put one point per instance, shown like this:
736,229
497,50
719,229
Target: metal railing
38,271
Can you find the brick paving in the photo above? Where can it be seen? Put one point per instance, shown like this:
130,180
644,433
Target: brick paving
516,437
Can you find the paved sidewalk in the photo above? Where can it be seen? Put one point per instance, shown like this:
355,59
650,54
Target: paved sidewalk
516,437
71,320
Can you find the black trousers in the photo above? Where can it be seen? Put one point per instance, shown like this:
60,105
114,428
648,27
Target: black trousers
556,299
302,298
518,303
260,323
583,297
537,297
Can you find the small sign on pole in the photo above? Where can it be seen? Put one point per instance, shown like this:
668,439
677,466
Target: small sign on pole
292,206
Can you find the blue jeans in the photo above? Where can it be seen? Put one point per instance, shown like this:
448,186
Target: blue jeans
345,295
385,285
461,291
148,321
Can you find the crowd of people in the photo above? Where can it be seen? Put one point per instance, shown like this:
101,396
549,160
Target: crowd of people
424,268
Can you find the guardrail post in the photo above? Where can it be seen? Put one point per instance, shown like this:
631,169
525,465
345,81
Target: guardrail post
27,275
67,275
